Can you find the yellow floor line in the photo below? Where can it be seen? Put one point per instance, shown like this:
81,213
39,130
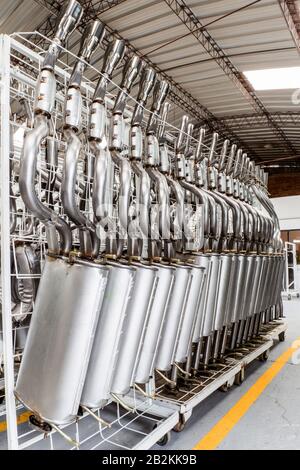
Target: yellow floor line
218,433
22,418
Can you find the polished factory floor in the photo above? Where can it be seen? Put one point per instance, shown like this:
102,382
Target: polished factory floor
271,422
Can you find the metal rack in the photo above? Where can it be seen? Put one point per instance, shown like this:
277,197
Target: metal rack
152,418
290,280
220,375
149,421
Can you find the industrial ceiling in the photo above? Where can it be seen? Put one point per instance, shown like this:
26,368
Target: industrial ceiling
202,47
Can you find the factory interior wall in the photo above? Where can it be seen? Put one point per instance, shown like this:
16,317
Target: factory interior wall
288,210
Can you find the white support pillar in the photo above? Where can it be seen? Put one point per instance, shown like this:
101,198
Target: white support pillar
12,434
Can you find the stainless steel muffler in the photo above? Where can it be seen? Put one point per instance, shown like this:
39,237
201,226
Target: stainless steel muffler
173,321
60,338
102,363
160,309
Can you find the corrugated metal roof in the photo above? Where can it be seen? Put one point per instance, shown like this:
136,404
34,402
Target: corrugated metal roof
256,37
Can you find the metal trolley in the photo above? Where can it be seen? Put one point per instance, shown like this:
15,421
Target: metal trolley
219,376
146,421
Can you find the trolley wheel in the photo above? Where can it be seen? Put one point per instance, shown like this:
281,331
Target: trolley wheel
240,377
264,356
298,295
281,336
227,386
181,424
163,441
289,297
38,425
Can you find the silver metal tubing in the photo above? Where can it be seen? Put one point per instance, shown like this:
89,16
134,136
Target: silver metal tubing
52,221
68,195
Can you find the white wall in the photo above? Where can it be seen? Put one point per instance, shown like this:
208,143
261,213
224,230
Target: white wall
288,211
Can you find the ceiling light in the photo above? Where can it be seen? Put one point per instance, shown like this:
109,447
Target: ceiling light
274,79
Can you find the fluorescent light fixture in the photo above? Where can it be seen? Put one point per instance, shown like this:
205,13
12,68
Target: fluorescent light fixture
274,79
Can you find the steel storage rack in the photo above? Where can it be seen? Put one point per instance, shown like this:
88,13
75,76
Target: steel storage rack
145,422
220,376
147,413
291,288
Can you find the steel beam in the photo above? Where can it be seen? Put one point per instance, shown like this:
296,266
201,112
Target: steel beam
244,121
292,17
5,275
178,95
194,25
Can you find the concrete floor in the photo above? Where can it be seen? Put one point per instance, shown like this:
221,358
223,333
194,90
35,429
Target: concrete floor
273,421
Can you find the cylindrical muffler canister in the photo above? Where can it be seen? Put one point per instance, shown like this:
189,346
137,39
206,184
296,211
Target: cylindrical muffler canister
273,282
248,275
231,289
211,296
192,307
269,282
264,284
60,338
223,291
257,276
161,305
278,299
134,327
115,307
173,318
239,286
204,262
260,284
249,284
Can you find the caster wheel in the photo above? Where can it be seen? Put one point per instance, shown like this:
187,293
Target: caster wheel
180,425
163,441
38,425
289,297
264,356
227,386
298,296
240,377
282,336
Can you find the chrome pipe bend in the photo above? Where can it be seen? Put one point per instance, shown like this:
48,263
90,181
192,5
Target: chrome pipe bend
222,202
177,225
163,201
28,165
255,216
246,223
24,290
124,192
100,183
203,197
88,236
266,203
144,199
237,214
213,216
13,212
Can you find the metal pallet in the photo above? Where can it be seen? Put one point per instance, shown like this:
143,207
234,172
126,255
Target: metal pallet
220,376
138,430
128,430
